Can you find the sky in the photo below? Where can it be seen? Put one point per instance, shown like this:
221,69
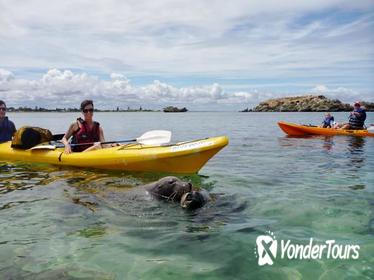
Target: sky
203,55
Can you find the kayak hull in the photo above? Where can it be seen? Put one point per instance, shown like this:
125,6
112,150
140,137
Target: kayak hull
302,130
184,157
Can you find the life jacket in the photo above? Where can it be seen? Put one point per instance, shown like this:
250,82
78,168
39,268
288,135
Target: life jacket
357,122
7,130
327,122
27,137
85,135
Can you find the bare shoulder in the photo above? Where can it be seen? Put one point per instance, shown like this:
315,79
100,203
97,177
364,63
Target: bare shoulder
74,126
72,129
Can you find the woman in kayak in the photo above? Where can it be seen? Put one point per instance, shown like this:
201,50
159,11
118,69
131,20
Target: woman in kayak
7,127
356,118
84,131
328,121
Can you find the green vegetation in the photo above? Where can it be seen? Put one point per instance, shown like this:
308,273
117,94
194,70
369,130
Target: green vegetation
171,109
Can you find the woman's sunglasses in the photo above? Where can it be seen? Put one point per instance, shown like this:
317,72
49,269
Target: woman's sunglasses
88,110
3,109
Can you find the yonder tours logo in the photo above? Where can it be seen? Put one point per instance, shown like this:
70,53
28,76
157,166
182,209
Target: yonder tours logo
267,248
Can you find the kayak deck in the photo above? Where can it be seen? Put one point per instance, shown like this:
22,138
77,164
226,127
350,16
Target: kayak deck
302,130
184,157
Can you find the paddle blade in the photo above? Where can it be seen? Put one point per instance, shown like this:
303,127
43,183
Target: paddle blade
155,137
43,147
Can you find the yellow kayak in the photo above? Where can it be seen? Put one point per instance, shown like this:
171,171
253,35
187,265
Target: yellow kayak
300,130
184,157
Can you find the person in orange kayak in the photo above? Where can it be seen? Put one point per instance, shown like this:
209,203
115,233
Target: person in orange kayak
328,121
356,118
84,131
7,127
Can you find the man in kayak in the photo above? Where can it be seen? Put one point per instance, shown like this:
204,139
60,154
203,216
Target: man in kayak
328,121
356,118
7,127
84,131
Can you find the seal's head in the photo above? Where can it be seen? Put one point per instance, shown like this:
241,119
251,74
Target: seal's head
170,188
193,200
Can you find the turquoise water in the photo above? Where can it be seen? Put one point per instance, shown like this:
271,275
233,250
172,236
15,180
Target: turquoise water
298,188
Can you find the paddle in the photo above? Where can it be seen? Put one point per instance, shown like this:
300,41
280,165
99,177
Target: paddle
152,138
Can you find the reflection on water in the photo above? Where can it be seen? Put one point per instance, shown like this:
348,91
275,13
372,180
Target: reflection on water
356,144
328,143
356,151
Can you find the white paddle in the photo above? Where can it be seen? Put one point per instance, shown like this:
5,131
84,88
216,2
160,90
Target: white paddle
150,138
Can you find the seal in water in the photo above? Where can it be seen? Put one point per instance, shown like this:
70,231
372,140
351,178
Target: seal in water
194,199
169,188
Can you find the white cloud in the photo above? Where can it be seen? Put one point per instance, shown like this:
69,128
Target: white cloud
58,88
64,88
179,36
5,76
341,93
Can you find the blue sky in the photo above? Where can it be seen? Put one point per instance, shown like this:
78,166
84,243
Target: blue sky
218,55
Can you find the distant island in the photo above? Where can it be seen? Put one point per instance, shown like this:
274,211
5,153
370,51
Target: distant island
63,110
171,109
307,103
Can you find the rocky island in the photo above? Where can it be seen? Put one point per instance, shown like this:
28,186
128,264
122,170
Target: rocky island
171,109
306,103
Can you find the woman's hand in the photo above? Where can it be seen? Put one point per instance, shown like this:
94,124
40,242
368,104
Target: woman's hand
67,149
97,146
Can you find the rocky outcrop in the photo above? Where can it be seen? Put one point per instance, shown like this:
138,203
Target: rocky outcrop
171,109
246,110
369,106
307,103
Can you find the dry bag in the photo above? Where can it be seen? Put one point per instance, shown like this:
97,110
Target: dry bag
27,137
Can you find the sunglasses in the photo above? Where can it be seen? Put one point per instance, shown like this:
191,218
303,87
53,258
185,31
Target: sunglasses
3,109
88,110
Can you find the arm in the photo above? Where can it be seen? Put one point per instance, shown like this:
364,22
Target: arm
98,145
102,139
65,140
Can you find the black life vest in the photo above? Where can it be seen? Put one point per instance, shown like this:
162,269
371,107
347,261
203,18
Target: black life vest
7,130
357,122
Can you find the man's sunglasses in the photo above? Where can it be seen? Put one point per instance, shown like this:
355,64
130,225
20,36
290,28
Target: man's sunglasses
88,110
2,109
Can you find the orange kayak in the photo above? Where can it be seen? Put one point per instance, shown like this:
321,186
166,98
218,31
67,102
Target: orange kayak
300,130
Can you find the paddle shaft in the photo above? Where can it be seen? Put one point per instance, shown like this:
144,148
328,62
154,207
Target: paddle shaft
153,137
107,142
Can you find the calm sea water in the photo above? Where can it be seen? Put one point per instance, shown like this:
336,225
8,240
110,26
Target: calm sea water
297,188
